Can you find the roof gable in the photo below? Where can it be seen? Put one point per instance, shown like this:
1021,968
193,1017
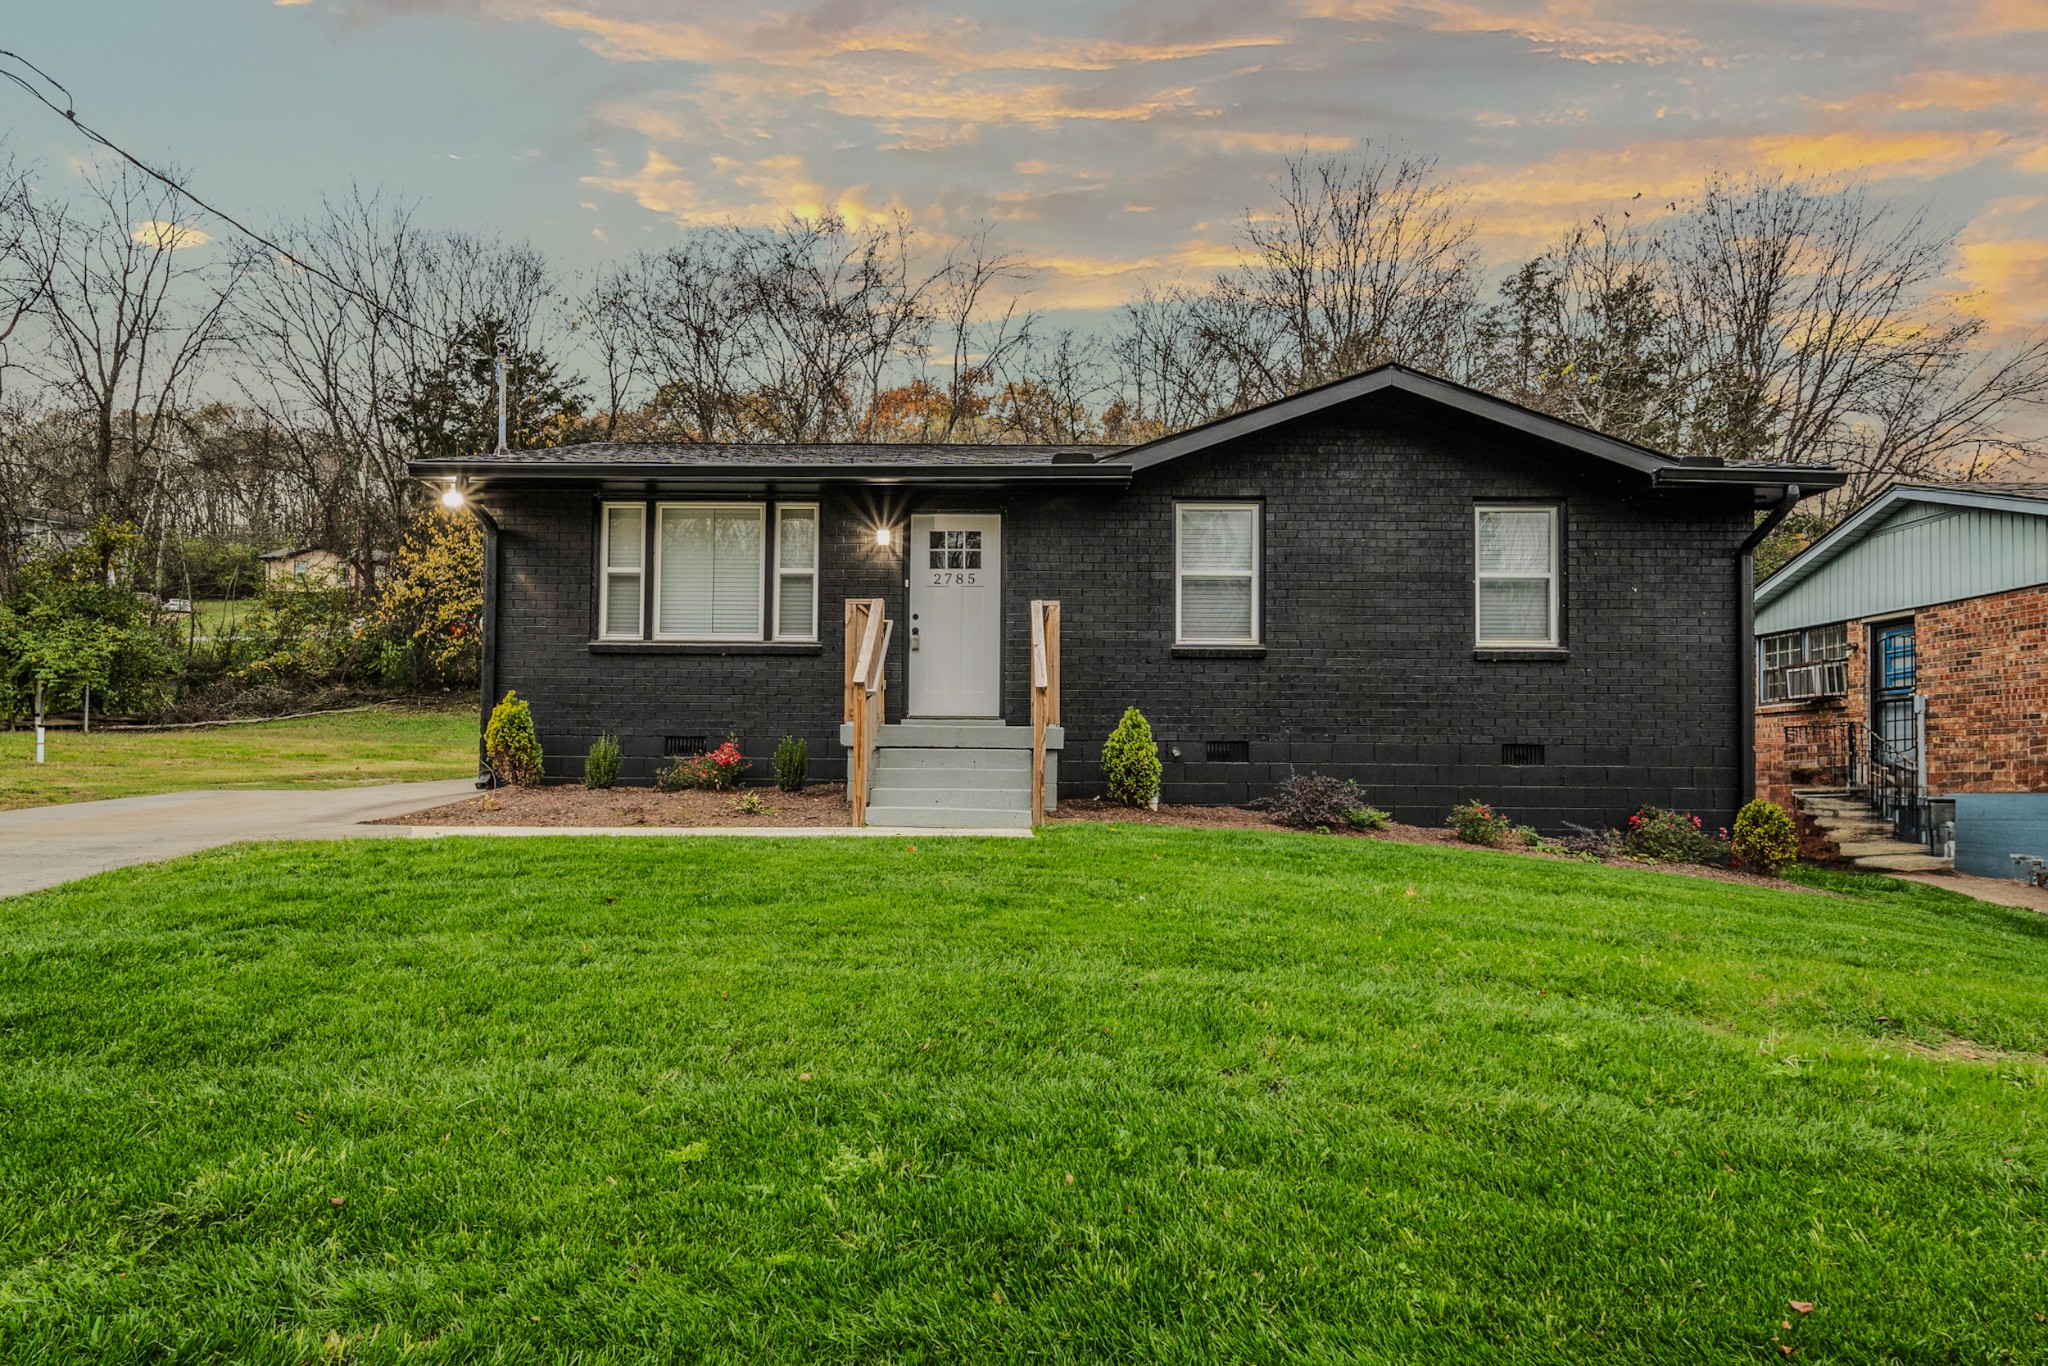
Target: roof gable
1913,545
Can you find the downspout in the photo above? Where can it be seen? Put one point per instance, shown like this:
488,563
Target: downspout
1745,655
487,663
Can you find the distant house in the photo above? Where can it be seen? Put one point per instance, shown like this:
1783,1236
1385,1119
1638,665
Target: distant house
1391,578
1902,676
48,529
314,564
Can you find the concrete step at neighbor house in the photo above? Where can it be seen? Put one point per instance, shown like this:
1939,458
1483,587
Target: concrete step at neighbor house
1862,838
1919,862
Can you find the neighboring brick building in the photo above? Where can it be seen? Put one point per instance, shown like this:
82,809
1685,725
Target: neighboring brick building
1391,578
1910,646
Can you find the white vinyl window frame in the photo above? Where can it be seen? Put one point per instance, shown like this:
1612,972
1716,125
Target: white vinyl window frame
1481,577
760,511
1181,575
606,574
784,573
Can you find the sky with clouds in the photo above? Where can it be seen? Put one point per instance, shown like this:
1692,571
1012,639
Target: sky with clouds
1113,144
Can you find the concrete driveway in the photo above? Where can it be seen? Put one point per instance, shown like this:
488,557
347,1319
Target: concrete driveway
46,845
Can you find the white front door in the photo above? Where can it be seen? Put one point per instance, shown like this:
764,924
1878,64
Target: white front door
956,614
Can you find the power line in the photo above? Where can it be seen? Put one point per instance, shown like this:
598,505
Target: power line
69,113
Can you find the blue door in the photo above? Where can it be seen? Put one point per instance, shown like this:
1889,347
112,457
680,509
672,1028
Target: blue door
1894,674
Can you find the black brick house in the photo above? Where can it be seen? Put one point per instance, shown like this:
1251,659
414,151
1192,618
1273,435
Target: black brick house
1390,578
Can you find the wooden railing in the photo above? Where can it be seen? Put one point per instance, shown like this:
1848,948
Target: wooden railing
867,654
1045,693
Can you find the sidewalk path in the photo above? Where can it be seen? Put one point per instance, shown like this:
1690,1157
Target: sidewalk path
46,845
1997,890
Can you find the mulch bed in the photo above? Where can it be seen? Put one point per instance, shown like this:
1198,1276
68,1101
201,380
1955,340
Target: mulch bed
824,804
1240,818
820,804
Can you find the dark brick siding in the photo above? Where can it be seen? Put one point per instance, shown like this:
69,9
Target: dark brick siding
1368,669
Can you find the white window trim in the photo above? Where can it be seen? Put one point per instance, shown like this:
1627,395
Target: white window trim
1553,640
760,631
817,554
606,574
1180,636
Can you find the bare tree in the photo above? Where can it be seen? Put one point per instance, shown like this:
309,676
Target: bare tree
1814,329
127,321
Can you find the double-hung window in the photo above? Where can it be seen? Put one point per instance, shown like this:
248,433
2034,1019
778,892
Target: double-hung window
625,543
708,571
796,571
1216,573
1516,577
1787,663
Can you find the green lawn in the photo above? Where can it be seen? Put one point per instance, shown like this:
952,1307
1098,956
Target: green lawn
389,745
1108,1095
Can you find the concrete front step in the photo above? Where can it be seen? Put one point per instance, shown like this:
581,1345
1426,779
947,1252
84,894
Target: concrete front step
975,735
991,763
949,818
941,798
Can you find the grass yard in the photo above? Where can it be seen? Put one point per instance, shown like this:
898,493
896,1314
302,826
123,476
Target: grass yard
389,745
1114,1094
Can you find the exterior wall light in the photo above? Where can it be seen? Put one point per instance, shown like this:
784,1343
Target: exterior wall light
452,498
884,537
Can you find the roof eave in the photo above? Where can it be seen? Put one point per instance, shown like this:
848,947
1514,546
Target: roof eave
494,472
1768,484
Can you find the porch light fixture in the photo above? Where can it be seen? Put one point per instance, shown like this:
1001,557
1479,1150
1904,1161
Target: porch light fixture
452,498
884,537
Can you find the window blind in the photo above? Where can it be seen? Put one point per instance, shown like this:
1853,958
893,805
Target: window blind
1218,573
796,572
625,527
1517,568
709,584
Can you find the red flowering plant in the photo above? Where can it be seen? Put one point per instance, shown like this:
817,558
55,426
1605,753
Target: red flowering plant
1673,837
1478,823
713,770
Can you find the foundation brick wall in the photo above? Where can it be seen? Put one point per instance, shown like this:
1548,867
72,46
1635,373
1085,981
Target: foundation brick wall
1983,667
1367,670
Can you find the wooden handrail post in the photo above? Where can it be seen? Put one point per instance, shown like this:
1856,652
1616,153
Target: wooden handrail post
868,632
1045,693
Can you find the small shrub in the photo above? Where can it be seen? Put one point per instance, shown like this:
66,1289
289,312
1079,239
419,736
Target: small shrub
1765,840
601,765
510,743
713,771
1130,761
1672,837
1308,800
747,804
1478,823
792,764
1587,842
1368,818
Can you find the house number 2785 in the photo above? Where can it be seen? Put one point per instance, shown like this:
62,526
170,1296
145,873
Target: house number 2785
955,578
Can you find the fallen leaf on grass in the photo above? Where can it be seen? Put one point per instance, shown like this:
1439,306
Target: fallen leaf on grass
803,1076
1801,1305
337,1199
